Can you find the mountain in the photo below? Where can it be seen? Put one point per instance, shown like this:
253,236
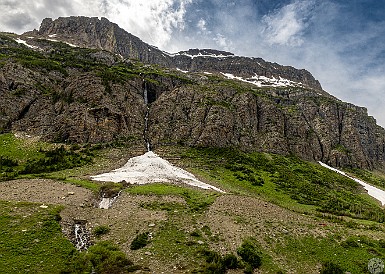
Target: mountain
83,80
82,100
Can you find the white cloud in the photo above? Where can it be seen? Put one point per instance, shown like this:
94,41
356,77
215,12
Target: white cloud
286,26
202,25
152,20
222,42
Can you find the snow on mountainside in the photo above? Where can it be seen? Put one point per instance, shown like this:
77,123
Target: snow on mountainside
263,81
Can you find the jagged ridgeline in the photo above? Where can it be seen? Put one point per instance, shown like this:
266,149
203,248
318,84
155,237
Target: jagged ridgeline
81,80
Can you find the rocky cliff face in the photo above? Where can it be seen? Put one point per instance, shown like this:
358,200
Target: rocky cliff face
72,94
102,34
279,120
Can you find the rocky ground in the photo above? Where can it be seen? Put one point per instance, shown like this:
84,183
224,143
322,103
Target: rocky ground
231,218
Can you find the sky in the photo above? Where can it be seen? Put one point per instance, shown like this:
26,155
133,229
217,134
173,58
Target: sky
341,42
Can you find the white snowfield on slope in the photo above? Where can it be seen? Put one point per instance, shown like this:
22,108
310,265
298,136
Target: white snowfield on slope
375,192
150,168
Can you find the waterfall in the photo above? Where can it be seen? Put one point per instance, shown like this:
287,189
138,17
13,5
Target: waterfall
145,131
81,236
145,94
106,203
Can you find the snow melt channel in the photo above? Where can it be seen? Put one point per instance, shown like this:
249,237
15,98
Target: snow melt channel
376,193
150,168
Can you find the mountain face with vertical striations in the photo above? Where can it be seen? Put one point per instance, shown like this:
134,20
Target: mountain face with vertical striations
82,80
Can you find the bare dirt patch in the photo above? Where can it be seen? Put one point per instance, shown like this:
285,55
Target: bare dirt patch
44,191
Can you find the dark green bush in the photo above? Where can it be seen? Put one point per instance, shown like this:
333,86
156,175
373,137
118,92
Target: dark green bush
331,268
196,233
215,268
350,242
101,258
250,254
101,230
230,261
57,159
140,241
212,256
106,258
214,262
7,162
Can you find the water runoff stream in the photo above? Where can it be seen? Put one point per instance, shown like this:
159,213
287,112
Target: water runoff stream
106,202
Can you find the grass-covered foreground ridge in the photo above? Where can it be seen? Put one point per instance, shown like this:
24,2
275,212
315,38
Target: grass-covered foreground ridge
279,215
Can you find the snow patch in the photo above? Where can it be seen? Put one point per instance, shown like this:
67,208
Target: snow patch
205,55
376,193
20,41
150,168
263,81
71,45
184,71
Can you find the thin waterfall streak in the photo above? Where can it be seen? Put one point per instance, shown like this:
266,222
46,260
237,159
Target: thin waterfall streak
145,94
81,237
145,131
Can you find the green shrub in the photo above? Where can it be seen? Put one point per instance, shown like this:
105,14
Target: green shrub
350,242
212,256
248,269
331,268
140,241
101,230
249,254
215,268
7,162
57,159
215,264
102,258
230,261
196,233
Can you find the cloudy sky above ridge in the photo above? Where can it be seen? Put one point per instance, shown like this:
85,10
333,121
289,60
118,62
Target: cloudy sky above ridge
341,42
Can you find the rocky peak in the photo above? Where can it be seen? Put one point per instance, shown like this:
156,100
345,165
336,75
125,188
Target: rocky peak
92,32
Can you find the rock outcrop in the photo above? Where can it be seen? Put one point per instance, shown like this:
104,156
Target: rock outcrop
102,34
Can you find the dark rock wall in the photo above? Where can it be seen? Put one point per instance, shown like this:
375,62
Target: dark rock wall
315,128
76,108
